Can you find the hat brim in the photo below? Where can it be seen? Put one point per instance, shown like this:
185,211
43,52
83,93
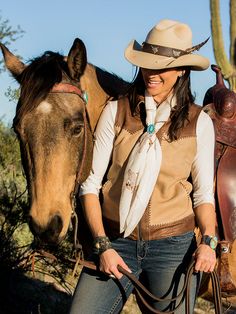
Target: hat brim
135,55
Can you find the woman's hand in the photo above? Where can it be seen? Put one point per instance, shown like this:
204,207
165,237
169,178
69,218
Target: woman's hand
109,260
205,258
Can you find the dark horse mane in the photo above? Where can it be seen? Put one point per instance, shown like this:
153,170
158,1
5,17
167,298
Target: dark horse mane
111,83
37,80
43,72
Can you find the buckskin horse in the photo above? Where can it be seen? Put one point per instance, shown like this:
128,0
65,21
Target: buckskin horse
60,102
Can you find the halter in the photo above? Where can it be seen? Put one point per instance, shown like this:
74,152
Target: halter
72,89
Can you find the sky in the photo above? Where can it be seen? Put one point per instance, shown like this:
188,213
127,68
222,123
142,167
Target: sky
106,27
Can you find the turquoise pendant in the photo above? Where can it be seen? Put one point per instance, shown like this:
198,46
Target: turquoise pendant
151,128
85,96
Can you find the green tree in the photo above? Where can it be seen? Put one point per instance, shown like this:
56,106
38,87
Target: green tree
227,65
12,182
8,34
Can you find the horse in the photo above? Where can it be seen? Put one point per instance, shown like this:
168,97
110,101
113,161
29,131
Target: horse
61,99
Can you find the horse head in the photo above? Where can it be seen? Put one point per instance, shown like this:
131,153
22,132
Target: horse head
60,102
52,123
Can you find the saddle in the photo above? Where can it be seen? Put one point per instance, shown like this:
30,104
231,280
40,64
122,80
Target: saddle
220,103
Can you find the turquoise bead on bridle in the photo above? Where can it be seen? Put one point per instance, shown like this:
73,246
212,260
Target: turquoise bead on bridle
85,97
151,128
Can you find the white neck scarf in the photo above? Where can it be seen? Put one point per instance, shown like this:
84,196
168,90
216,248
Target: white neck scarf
143,167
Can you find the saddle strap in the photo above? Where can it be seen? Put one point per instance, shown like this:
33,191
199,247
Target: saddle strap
224,269
225,182
144,294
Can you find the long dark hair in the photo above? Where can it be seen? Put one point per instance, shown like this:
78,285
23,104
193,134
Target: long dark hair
182,92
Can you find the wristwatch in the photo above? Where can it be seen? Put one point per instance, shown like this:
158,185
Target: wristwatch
212,241
101,244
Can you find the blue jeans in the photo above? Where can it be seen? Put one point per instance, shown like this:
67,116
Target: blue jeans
159,264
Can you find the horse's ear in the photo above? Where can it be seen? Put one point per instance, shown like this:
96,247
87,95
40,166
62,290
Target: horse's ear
13,64
77,59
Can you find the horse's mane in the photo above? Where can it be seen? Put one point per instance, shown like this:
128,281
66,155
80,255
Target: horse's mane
111,83
37,80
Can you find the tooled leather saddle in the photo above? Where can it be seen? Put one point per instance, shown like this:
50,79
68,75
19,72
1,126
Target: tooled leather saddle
220,104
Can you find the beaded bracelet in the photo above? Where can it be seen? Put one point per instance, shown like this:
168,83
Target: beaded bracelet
101,244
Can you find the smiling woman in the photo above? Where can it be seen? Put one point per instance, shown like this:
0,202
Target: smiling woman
159,84
147,146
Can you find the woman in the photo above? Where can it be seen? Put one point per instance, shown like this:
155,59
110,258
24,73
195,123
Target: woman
156,148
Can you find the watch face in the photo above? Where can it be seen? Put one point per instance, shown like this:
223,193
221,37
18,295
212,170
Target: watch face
213,243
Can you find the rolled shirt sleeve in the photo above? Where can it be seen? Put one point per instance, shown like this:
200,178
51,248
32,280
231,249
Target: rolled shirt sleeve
203,166
103,146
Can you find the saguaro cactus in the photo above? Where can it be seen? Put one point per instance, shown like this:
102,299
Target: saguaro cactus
227,65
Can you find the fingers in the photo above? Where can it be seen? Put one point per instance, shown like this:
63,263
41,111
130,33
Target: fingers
115,272
204,266
125,266
205,258
109,260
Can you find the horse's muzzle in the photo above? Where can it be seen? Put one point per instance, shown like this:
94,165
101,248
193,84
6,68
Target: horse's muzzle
48,234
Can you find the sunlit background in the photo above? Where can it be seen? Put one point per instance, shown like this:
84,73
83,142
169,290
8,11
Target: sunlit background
106,27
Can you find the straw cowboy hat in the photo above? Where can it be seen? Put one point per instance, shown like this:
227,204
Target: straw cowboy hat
168,45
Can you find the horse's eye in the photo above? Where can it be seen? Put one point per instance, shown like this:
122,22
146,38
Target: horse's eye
76,130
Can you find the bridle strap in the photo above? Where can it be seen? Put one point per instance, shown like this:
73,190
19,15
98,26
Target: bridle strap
64,87
79,173
77,245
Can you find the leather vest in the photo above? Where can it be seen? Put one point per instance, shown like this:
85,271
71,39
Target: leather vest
169,211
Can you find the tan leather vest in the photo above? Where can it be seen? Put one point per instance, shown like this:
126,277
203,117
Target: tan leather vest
169,211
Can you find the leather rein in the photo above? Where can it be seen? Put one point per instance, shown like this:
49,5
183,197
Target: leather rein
145,295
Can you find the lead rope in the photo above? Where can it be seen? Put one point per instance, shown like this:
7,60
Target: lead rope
142,292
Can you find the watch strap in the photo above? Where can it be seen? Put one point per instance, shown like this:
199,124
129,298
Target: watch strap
101,244
210,240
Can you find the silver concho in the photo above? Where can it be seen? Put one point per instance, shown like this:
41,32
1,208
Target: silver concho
154,49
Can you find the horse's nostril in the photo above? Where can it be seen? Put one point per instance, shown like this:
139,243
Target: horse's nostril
55,225
50,233
35,229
